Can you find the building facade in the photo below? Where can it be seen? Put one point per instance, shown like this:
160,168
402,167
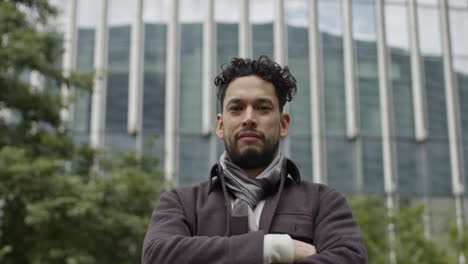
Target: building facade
382,101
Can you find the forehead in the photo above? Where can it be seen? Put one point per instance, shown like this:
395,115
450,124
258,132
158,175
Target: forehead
250,87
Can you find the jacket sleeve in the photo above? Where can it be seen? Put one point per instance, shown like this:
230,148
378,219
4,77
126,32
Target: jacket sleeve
337,237
169,240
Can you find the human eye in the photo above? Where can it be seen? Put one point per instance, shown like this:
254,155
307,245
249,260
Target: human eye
234,108
265,108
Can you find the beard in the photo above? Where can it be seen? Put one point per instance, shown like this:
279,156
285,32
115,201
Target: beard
252,157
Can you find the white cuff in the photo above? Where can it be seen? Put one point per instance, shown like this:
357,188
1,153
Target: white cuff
278,248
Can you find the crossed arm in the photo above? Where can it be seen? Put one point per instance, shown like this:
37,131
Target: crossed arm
169,239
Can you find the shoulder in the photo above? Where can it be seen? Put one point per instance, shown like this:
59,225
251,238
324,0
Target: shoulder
188,192
320,188
322,192
183,199
329,200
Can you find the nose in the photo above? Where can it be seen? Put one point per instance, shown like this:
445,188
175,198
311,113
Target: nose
249,118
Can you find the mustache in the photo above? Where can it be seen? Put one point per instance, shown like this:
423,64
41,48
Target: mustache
248,129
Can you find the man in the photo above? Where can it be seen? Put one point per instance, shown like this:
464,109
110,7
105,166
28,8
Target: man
254,208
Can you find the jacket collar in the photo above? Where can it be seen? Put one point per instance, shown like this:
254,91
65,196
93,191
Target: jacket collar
217,171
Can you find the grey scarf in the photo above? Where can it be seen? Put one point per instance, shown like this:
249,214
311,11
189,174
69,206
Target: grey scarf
249,191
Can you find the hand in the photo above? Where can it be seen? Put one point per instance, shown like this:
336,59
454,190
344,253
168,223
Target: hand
303,250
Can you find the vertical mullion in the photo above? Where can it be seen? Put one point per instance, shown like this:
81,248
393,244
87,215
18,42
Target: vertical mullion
280,53
419,95
386,102
453,120
208,66
171,103
209,102
453,109
100,79
135,86
316,97
421,132
245,48
351,93
352,126
386,113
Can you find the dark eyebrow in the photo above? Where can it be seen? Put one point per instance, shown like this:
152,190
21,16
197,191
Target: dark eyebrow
258,100
264,100
233,101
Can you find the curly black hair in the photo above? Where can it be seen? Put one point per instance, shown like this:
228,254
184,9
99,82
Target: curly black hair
263,67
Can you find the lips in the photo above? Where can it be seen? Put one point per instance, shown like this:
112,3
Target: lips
249,135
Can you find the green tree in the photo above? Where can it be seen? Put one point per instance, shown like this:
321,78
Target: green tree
54,207
459,244
49,215
411,247
371,215
23,49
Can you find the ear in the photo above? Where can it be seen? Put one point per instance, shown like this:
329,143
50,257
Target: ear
284,125
219,126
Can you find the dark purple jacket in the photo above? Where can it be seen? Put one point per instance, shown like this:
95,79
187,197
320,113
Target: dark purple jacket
194,224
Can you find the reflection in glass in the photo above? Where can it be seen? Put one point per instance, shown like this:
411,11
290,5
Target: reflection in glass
330,25
367,77
429,31
156,11
117,74
261,17
364,21
155,19
458,3
372,165
401,69
227,20
461,71
440,182
190,80
410,168
330,17
397,40
459,31
396,23
194,165
437,146
428,2
340,168
296,18
121,12
364,31
191,41
88,13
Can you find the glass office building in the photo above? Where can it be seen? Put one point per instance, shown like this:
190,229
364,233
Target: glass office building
382,101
